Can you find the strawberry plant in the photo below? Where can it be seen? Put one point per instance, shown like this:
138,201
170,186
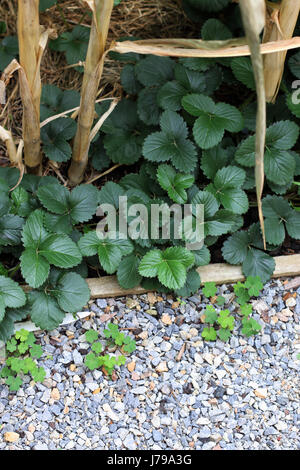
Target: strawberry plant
250,288
221,323
97,358
223,320
22,351
40,244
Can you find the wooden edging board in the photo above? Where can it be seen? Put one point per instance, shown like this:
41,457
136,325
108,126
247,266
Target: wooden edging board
220,273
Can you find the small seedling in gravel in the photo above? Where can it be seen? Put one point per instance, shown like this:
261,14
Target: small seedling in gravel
97,358
223,320
241,292
250,327
222,323
22,343
181,301
250,288
209,334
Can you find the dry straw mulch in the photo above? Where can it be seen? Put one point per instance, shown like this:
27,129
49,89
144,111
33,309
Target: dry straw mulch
144,19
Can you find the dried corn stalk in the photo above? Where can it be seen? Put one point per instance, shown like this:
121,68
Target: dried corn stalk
101,10
253,15
197,48
281,22
14,154
31,47
7,138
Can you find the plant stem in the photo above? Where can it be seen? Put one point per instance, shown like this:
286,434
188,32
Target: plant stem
13,270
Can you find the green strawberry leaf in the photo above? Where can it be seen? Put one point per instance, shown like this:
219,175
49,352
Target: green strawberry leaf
74,44
38,374
55,101
169,265
209,334
34,232
14,383
259,264
214,29
45,311
36,351
243,71
10,229
127,274
147,107
212,119
213,160
210,315
209,289
12,315
11,293
154,70
123,140
35,268
202,256
8,50
45,4
55,136
254,285
226,320
97,348
192,284
174,183
61,251
226,188
71,292
171,144
279,162
110,250
91,336
246,310
224,334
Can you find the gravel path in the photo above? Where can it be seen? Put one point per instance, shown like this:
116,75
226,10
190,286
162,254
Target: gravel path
175,391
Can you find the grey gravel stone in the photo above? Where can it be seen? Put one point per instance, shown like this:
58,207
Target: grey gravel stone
101,303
